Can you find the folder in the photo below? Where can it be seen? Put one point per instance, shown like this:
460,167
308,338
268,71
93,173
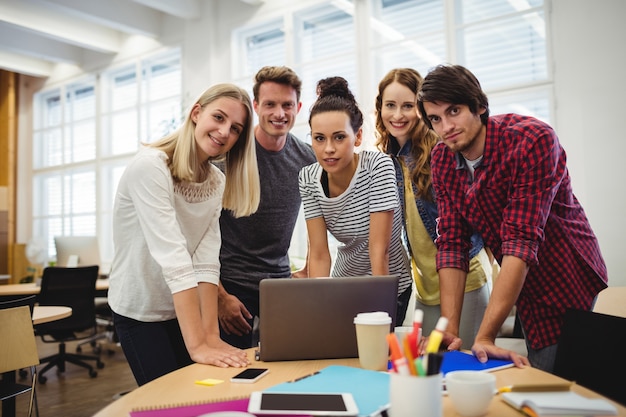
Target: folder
370,389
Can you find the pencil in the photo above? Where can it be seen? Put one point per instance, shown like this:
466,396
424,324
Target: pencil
563,386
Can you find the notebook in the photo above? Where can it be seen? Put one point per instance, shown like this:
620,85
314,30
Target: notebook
558,404
312,318
455,360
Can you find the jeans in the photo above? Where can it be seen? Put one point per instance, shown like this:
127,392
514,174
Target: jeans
542,358
152,349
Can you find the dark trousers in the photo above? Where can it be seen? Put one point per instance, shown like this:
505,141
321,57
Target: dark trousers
250,299
152,349
403,304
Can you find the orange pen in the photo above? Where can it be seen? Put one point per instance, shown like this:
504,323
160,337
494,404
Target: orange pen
397,358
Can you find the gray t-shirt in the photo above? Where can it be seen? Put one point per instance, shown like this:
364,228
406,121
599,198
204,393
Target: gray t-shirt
255,247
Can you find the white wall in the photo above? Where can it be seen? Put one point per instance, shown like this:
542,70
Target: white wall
589,60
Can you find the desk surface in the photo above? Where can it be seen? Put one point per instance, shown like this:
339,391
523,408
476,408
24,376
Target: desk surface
45,314
32,288
179,387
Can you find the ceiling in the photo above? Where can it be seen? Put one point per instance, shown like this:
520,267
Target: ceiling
35,35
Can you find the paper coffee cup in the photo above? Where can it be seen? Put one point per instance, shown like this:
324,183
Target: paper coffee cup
371,335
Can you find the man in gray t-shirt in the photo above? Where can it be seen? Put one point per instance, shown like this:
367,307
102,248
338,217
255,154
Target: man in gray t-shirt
255,247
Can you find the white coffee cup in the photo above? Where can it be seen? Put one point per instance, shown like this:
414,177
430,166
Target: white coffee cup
471,392
371,336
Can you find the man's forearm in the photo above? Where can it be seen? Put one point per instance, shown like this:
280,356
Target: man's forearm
503,297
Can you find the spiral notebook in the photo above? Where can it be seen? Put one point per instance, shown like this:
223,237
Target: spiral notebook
193,410
196,409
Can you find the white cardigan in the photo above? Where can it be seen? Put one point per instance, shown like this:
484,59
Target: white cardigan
166,237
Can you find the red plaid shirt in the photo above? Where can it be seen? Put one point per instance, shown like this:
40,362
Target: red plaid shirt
521,202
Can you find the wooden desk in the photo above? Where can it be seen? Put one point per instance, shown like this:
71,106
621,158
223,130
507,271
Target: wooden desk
179,387
102,286
45,314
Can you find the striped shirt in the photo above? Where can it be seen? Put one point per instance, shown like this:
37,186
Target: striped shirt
521,202
372,189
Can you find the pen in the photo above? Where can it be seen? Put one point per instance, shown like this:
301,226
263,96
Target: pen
434,363
410,359
397,357
305,376
564,386
415,336
434,340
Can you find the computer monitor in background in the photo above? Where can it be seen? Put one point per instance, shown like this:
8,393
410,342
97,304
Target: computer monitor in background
77,250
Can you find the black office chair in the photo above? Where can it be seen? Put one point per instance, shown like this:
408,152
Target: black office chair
75,288
591,352
18,301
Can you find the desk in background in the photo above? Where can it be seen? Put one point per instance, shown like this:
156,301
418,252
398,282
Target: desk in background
46,314
11,290
178,387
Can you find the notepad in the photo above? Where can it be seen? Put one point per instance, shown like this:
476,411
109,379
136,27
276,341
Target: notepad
558,403
455,360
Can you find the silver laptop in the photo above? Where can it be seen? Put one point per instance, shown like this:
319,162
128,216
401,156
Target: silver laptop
312,318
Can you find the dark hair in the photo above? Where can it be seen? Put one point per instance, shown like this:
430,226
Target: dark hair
333,94
452,84
423,139
280,75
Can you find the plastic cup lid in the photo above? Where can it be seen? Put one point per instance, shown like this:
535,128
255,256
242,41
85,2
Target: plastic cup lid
374,317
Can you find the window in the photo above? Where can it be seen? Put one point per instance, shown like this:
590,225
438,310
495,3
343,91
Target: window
504,42
84,135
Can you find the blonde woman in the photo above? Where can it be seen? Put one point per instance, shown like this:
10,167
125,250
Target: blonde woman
165,273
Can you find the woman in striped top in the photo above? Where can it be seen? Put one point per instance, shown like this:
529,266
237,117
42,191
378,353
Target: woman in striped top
351,195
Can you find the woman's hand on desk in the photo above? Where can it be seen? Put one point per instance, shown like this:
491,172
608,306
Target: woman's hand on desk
484,349
221,354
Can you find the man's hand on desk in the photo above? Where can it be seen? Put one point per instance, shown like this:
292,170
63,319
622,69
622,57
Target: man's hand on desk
484,349
233,314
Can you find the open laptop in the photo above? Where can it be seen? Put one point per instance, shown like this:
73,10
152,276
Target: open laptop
312,318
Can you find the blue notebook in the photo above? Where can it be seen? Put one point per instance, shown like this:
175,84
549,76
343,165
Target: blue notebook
370,389
455,360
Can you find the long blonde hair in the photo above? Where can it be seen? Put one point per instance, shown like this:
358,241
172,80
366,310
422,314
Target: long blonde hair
423,139
243,190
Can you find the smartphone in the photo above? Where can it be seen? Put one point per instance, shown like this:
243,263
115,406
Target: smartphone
331,404
250,375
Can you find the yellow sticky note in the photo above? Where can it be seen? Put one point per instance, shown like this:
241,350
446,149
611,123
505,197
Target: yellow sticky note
209,381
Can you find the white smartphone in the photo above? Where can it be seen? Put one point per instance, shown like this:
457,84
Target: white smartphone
331,404
250,375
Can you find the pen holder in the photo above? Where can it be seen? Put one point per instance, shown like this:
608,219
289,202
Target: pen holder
411,396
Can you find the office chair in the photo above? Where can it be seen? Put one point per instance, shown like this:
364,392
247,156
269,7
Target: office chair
104,319
19,301
18,350
590,350
75,288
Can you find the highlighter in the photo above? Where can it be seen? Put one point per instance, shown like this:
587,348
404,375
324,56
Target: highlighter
434,340
415,336
398,360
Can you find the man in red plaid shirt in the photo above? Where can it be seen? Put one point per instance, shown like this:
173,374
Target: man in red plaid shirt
506,177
